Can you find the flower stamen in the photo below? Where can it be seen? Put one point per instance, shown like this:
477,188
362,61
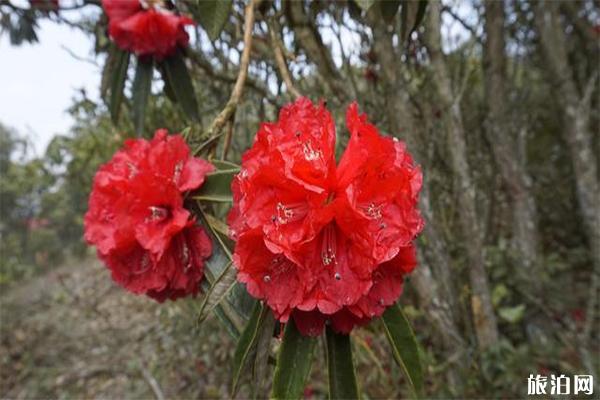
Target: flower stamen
289,213
329,246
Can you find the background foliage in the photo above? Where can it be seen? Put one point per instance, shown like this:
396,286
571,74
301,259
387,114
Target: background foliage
503,120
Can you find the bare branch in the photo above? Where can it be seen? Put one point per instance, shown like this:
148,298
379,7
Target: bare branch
279,54
238,88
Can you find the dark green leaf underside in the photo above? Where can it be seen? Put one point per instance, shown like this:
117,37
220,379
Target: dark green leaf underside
342,379
293,364
404,346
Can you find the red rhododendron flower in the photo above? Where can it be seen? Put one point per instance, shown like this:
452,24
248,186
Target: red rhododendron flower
320,241
145,27
137,221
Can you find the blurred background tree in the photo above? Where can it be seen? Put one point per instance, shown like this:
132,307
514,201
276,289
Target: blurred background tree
503,120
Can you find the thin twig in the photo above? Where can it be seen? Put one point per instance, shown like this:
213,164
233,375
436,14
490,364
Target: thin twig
238,88
206,66
158,393
78,57
456,17
280,58
227,141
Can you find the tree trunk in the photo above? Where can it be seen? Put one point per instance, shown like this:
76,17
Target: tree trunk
481,304
501,133
432,280
578,136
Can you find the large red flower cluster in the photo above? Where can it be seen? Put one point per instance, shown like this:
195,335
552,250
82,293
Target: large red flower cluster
320,241
137,220
145,27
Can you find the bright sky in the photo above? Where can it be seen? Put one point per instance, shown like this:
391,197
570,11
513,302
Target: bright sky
38,82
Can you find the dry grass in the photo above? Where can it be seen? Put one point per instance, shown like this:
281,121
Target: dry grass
72,333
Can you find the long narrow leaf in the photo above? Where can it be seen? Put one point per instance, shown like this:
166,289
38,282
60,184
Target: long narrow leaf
217,184
342,379
220,228
214,267
261,367
404,346
142,83
217,292
247,343
214,230
167,86
119,75
212,15
181,83
293,364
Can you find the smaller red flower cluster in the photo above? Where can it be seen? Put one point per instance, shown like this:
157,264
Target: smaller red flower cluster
319,241
145,27
137,221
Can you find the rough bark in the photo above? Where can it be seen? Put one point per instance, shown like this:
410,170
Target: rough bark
578,136
403,124
481,305
502,135
433,279
576,116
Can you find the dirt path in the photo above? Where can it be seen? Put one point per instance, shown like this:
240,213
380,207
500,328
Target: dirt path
72,333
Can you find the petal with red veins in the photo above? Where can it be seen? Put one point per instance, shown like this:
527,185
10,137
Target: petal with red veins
269,276
387,284
342,273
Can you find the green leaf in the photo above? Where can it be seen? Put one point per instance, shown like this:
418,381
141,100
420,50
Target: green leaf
342,379
389,8
217,186
512,314
411,15
365,4
247,342
167,86
293,363
119,75
142,84
261,367
212,15
404,346
231,318
218,291
219,228
179,80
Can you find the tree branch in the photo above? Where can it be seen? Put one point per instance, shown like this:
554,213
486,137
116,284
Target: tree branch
279,54
238,88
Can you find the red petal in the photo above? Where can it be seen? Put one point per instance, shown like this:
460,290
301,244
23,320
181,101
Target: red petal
309,323
269,276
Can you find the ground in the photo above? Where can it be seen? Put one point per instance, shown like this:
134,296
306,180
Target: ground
72,333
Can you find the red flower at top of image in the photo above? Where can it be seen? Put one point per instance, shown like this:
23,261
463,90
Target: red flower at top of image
137,221
319,241
145,27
